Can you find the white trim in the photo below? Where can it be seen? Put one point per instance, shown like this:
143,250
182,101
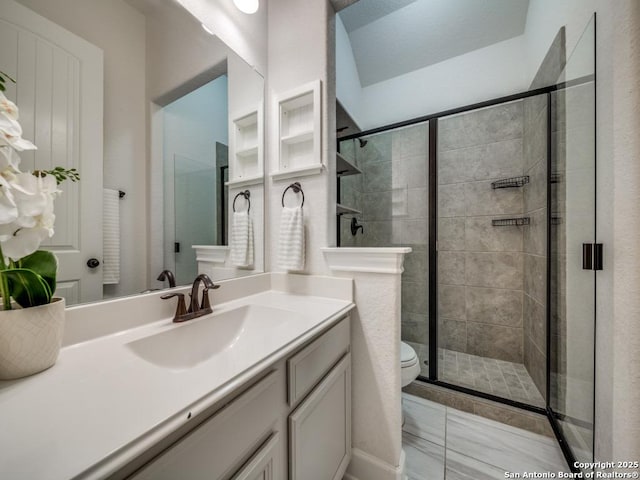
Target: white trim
211,253
369,260
298,172
245,182
364,466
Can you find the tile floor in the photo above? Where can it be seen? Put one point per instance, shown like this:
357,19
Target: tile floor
504,379
444,443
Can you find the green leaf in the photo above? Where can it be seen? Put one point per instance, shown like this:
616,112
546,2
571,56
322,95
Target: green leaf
44,264
27,288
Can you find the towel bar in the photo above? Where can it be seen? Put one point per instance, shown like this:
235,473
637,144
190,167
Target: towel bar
246,194
297,189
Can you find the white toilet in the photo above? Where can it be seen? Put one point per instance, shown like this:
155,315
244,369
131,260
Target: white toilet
409,364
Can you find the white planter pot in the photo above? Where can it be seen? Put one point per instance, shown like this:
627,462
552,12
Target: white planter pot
30,339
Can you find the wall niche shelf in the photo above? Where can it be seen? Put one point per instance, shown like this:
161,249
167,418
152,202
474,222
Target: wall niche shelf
345,168
511,222
513,182
246,156
299,129
343,209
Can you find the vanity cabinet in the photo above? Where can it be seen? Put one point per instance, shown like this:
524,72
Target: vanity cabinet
293,423
219,447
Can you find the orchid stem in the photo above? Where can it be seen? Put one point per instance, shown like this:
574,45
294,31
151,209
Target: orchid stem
4,284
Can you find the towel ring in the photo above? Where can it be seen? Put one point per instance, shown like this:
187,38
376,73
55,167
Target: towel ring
246,194
297,189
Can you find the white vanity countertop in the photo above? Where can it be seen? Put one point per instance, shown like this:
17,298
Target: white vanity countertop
101,405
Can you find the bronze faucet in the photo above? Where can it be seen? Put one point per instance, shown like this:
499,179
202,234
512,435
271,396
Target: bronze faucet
196,309
167,275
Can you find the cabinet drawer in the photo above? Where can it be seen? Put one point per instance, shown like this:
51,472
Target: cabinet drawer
307,367
219,447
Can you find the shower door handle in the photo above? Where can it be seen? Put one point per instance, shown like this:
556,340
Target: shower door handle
592,254
587,256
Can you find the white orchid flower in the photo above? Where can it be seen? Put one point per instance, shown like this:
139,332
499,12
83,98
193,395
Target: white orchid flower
24,242
9,161
8,108
8,207
10,129
34,196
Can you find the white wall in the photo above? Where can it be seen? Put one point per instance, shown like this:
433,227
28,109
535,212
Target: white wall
301,46
482,74
119,30
348,86
545,18
192,126
618,287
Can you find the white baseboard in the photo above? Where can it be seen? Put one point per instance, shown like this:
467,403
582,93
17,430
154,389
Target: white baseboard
367,467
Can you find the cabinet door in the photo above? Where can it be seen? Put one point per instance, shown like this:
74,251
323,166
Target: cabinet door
320,428
265,465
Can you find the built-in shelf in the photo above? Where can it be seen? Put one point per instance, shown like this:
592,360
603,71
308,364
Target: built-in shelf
343,209
245,182
247,152
512,182
344,167
297,138
297,172
299,149
510,222
246,147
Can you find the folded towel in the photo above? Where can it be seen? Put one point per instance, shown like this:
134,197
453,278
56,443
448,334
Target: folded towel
111,237
291,248
241,240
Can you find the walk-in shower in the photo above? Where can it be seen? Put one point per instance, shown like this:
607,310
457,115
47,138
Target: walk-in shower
496,200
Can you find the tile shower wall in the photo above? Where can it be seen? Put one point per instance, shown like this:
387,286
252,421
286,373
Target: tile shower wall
534,246
481,267
392,195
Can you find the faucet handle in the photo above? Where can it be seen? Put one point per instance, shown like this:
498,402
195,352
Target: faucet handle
181,308
205,296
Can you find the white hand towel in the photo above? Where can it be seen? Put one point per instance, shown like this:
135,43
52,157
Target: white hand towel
111,237
291,248
242,240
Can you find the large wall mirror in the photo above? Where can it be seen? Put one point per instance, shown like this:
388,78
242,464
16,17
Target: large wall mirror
158,115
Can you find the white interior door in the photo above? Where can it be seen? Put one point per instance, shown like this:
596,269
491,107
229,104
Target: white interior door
59,92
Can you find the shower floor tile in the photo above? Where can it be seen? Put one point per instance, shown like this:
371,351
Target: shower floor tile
504,379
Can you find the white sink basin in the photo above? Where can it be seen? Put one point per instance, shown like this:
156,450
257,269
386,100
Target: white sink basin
196,341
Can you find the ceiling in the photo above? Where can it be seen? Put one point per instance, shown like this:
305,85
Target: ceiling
394,37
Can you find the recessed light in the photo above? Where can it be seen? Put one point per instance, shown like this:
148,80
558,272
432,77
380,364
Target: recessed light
247,6
207,29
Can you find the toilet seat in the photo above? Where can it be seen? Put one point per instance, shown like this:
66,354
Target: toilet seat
408,356
409,364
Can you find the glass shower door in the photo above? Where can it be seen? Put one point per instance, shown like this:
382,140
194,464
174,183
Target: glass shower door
491,250
572,296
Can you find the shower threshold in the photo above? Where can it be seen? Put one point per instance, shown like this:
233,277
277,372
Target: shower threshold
497,377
